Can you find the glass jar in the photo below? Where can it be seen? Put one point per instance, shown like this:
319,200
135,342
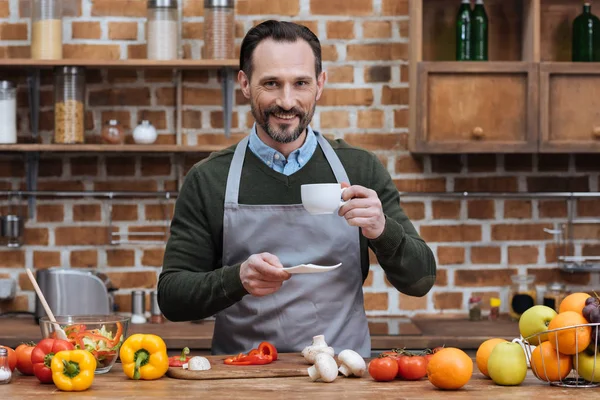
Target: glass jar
46,30
162,30
69,105
495,303
475,308
113,133
522,295
5,372
554,295
219,29
8,112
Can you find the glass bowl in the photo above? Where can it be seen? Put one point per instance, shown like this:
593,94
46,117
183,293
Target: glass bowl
101,335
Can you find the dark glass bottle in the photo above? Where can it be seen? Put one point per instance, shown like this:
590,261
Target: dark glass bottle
480,32
586,36
463,31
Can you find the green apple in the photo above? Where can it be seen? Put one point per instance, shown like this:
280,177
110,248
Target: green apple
535,320
584,364
507,364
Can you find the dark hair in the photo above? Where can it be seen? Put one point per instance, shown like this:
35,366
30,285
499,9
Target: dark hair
279,31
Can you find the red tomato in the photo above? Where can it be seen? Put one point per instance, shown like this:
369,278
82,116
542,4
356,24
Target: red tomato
383,369
23,352
412,368
42,355
12,358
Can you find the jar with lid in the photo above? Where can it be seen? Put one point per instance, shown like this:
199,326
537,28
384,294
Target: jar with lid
219,29
475,308
46,30
522,295
162,30
8,112
5,371
69,104
554,295
113,133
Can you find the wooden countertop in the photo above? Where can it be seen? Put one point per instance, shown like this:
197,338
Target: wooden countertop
386,333
115,384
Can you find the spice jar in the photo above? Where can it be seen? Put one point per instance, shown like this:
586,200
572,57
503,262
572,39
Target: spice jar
554,295
112,133
475,308
162,30
494,308
522,295
156,316
8,112
46,29
69,110
5,372
138,307
219,29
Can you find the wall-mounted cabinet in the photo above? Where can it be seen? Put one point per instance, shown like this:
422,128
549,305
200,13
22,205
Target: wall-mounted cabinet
527,97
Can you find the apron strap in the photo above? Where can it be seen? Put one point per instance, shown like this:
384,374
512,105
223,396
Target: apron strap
333,159
232,190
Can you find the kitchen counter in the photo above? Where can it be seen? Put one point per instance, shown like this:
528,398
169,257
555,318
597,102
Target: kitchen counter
386,333
115,385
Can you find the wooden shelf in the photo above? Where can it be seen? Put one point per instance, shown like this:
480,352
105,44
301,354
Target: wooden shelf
124,64
106,148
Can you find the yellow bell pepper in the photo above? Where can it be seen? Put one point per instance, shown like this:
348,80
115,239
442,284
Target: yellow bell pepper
144,357
73,370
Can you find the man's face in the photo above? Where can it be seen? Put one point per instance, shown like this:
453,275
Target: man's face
283,89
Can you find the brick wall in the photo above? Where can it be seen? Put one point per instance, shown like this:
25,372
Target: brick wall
479,243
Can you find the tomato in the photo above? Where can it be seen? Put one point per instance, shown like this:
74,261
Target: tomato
383,369
42,355
23,352
412,367
12,358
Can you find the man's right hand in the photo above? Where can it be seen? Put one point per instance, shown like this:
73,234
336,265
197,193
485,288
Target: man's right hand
262,274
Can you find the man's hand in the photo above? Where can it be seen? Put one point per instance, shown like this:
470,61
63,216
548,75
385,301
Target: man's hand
363,210
262,274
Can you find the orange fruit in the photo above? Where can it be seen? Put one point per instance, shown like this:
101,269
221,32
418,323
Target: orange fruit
573,302
549,366
569,340
449,368
483,353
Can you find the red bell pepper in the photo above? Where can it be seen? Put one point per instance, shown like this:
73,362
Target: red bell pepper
178,361
267,348
42,355
244,359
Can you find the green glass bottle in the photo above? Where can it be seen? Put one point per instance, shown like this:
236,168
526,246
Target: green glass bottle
480,32
586,36
463,31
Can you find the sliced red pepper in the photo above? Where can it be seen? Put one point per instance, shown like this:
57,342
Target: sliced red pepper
178,361
255,359
266,348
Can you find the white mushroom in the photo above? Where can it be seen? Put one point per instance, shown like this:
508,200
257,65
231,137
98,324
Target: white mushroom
351,363
318,346
197,364
325,368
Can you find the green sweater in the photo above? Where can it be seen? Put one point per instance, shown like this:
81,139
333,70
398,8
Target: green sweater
194,284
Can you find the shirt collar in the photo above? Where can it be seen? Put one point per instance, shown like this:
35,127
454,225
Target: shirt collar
275,159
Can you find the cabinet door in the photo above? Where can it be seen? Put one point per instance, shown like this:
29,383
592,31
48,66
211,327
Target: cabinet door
570,107
471,107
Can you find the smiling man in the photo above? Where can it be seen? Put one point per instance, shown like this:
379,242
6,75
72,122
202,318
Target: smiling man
239,220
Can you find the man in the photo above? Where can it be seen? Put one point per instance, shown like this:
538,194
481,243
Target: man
239,220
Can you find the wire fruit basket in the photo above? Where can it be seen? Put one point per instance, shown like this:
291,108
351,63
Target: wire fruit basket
576,366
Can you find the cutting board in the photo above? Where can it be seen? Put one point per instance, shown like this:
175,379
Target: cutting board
287,364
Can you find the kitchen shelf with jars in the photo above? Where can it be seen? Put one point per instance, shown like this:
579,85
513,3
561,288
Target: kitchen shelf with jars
504,76
163,34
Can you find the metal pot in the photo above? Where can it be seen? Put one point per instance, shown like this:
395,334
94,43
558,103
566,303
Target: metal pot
11,226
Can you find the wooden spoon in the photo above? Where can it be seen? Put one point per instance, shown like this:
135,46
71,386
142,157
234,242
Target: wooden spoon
59,331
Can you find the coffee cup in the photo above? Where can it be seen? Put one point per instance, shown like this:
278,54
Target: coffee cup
322,198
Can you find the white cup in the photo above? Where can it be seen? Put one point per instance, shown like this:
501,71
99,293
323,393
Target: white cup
322,198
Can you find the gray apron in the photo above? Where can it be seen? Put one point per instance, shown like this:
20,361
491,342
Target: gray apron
329,303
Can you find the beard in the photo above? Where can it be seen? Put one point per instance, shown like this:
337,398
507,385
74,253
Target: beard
282,133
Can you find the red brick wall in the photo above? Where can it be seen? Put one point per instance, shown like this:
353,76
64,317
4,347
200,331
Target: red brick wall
478,243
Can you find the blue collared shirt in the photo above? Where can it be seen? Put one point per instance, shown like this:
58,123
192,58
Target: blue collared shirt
274,159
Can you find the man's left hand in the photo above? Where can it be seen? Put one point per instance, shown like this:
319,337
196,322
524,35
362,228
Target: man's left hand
363,210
